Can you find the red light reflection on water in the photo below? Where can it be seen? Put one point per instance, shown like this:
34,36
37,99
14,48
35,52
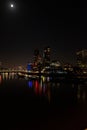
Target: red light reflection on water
36,87
42,88
36,84
0,79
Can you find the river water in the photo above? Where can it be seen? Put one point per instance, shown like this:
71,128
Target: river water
42,104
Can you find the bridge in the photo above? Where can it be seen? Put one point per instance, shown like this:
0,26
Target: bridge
13,71
24,72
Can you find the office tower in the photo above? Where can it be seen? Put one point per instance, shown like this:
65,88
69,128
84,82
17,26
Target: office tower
82,58
46,56
37,59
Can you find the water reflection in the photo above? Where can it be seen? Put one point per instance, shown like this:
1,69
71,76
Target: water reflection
41,87
8,76
0,79
30,84
81,93
78,94
57,90
52,90
36,87
42,96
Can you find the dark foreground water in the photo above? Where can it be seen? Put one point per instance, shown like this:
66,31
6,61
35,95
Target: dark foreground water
42,104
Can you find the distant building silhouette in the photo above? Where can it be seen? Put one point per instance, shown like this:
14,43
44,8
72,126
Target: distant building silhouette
46,56
37,59
82,58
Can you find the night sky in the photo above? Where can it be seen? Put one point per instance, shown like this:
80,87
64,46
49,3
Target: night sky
62,25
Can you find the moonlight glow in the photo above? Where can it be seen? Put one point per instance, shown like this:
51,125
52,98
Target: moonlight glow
12,5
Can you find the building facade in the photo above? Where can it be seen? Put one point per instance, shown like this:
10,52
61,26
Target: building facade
46,56
82,58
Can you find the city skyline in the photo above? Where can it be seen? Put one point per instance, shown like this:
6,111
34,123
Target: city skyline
31,25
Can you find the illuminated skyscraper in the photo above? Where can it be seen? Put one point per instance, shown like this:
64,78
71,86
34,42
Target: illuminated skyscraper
37,58
46,56
36,55
82,58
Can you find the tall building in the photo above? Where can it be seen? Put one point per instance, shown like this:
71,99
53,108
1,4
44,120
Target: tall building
37,59
82,58
46,56
0,64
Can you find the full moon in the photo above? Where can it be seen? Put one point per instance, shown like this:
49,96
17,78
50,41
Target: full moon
12,5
